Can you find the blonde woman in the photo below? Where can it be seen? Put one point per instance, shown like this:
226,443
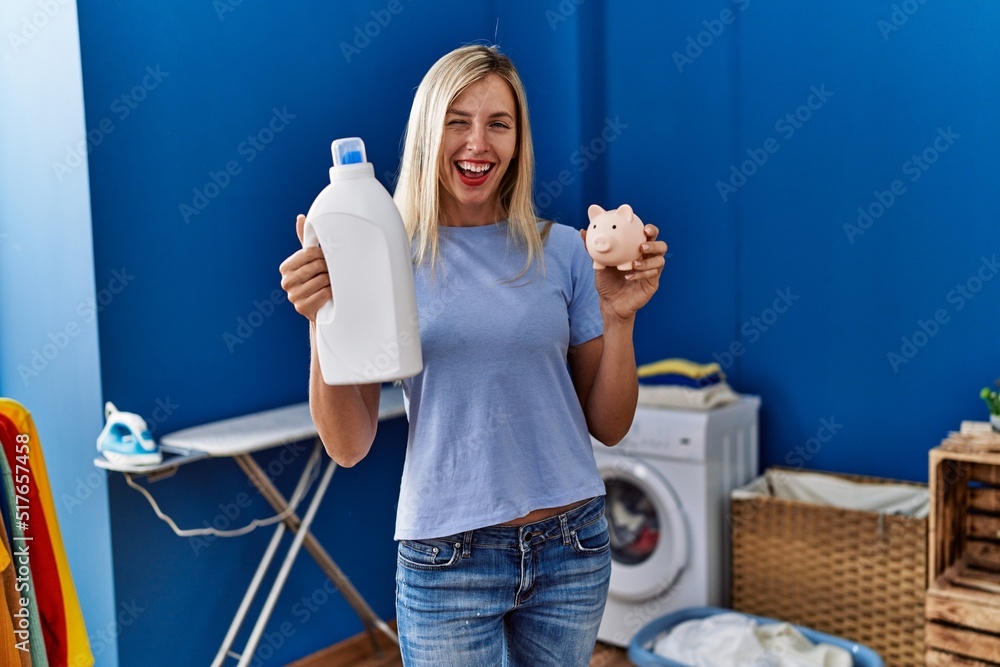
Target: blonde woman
504,556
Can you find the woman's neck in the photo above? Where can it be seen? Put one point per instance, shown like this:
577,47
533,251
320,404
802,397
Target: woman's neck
465,216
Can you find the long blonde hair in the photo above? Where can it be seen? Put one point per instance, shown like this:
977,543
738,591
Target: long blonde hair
418,192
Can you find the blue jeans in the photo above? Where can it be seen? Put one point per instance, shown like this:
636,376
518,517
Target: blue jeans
510,596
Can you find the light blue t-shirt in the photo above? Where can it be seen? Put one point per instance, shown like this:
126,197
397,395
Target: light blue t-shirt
496,428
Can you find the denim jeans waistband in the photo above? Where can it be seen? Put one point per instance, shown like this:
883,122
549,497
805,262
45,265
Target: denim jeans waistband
559,527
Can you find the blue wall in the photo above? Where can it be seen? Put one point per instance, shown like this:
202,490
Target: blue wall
655,104
930,85
841,388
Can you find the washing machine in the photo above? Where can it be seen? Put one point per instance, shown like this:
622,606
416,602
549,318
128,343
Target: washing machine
668,484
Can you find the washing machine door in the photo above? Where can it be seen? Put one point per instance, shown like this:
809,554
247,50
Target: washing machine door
649,534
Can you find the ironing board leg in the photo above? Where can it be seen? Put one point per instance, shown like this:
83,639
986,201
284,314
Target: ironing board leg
286,566
258,576
368,617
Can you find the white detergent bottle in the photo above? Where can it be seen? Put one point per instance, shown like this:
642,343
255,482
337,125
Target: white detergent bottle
369,332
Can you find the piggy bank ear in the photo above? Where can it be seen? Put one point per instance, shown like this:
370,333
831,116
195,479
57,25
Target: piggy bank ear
594,211
625,211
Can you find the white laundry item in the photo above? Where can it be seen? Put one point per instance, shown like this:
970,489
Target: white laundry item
672,396
723,640
625,518
838,492
735,640
792,649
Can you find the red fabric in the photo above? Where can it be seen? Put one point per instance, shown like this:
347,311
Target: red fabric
41,555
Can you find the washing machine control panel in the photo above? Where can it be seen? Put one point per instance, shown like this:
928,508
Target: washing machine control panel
678,434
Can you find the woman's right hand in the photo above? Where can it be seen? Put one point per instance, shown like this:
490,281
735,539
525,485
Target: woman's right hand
305,278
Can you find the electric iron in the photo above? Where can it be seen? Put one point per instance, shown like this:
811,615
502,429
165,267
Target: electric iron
126,439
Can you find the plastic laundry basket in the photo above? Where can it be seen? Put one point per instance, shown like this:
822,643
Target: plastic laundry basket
640,653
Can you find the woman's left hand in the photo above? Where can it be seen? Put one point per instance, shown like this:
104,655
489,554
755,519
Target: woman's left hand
622,293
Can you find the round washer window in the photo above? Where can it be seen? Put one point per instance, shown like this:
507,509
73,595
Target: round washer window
632,522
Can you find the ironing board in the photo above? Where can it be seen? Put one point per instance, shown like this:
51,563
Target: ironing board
238,438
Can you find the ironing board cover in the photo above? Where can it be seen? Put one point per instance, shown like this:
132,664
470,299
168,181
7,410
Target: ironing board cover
263,430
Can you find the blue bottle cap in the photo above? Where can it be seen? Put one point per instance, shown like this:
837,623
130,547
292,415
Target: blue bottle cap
350,150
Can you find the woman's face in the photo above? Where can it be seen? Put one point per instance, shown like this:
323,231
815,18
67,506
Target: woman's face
479,141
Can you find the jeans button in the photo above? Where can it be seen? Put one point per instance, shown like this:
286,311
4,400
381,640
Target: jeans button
528,536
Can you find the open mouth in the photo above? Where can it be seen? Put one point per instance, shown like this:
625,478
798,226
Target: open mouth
473,173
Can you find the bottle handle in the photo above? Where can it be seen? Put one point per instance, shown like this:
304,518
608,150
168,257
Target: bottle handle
311,240
309,237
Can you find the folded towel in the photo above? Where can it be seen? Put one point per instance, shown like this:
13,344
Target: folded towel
668,396
679,367
684,380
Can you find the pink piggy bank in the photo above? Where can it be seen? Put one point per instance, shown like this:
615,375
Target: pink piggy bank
614,237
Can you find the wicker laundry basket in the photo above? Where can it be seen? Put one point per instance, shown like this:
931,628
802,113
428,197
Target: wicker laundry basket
854,574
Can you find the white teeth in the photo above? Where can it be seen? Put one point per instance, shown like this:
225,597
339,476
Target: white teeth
478,168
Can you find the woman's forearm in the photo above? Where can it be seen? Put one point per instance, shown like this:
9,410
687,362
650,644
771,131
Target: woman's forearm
612,399
346,416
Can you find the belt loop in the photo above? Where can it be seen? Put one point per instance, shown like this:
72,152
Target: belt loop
564,528
467,544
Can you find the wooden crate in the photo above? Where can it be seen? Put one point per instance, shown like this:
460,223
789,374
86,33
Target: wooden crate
963,556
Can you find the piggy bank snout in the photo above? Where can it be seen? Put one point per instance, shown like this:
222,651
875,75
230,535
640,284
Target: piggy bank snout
602,243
